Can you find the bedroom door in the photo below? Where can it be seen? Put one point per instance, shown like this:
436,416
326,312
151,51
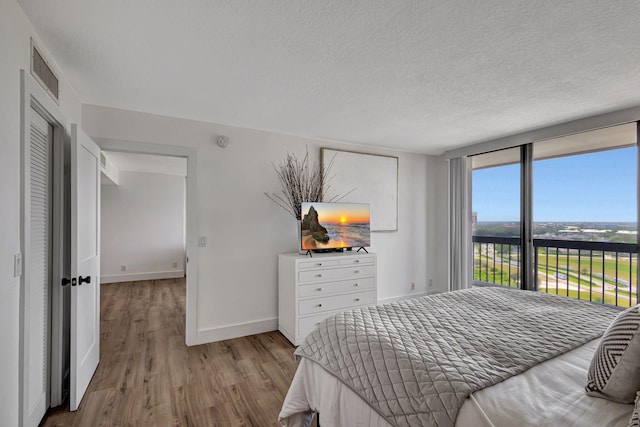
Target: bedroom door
85,263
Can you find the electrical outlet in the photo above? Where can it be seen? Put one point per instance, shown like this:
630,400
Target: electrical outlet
123,268
175,264
202,242
413,286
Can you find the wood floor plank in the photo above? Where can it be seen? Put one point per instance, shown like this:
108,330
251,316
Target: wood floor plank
147,376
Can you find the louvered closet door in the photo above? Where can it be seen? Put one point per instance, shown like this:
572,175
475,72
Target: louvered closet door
37,272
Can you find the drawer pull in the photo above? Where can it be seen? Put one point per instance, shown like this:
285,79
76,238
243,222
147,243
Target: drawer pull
319,289
319,275
356,284
357,299
319,305
319,264
356,271
356,261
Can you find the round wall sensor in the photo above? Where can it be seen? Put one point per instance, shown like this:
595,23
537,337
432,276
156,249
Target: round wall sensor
222,141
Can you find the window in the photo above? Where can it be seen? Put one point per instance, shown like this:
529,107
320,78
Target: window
583,224
496,217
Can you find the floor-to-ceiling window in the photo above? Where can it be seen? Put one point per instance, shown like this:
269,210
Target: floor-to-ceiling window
584,216
496,217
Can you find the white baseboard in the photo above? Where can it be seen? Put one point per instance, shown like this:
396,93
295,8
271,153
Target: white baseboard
401,297
132,277
227,332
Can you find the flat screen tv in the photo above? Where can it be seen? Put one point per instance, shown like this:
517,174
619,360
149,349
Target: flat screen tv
334,226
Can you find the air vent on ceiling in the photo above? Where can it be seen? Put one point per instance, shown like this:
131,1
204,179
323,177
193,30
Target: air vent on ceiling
43,73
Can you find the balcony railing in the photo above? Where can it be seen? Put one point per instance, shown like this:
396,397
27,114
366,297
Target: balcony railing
595,271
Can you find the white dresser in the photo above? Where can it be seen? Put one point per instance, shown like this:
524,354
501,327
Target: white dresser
312,288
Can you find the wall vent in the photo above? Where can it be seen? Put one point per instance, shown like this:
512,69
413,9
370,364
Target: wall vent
43,73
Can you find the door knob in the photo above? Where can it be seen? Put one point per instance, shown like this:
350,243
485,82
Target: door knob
86,279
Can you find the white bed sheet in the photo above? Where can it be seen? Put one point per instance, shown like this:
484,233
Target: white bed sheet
550,394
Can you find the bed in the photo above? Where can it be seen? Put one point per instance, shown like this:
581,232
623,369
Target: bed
477,357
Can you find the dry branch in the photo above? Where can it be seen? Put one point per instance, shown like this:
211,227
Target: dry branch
301,182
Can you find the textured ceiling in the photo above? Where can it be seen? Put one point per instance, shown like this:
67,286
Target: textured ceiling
423,76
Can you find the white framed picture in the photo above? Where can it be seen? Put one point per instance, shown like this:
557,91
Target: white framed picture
365,178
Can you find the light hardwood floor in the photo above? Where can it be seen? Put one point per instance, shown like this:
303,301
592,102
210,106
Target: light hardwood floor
147,376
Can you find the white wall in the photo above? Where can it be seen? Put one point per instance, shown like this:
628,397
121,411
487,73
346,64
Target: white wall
237,280
142,227
15,33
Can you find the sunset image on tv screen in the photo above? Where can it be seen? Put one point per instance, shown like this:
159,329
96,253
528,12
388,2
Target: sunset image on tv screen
335,225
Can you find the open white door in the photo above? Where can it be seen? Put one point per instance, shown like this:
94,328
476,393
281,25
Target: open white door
85,263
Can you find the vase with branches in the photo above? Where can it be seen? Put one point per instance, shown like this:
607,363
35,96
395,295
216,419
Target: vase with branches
301,182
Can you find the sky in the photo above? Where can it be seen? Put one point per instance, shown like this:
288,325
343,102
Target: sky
339,212
592,187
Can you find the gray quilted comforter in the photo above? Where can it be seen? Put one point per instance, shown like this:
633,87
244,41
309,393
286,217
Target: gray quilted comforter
415,361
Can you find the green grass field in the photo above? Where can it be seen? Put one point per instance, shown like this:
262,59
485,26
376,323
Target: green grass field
574,270
625,265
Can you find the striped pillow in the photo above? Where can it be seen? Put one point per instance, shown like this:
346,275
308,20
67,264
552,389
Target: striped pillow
635,417
614,373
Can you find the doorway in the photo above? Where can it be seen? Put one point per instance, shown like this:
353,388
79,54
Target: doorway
190,215
43,250
143,217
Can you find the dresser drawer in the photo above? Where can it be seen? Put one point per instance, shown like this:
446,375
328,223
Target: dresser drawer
320,263
335,302
342,286
308,324
358,261
314,276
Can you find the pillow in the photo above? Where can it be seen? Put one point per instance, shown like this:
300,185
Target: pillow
614,373
635,417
